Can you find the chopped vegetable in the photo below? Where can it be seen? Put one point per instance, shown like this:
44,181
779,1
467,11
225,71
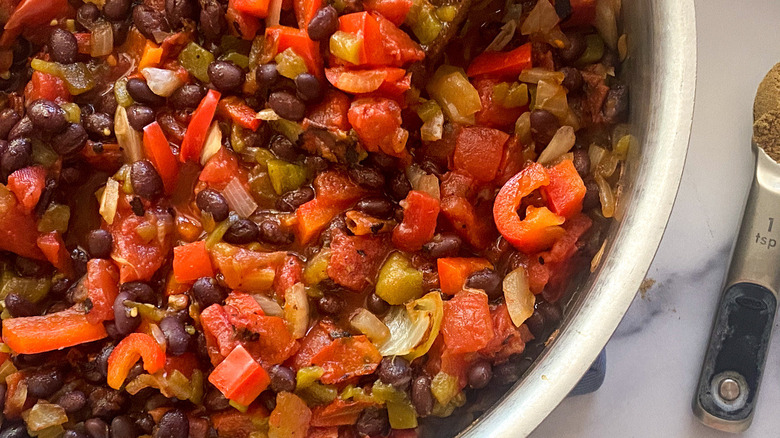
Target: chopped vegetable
157,149
519,298
129,350
419,225
195,59
451,89
191,261
414,327
239,377
454,271
54,331
194,139
467,326
502,64
398,281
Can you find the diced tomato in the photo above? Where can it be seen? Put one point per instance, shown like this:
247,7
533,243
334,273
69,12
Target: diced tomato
46,86
191,262
331,112
514,160
478,151
467,325
455,183
354,260
102,289
290,418
221,169
235,109
218,333
244,269
345,358
289,273
185,363
384,44
27,184
454,271
508,339
339,412
18,229
53,247
139,259
394,10
566,189
466,221
493,114
314,341
314,215
377,122
421,211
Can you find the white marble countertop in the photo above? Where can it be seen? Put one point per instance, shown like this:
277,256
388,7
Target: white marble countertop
653,360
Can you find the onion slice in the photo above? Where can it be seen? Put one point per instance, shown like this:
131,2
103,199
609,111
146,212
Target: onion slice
296,310
213,143
130,140
561,143
109,200
518,296
371,326
414,327
239,199
162,82
269,305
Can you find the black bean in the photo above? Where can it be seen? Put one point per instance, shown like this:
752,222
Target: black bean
139,291
225,76
544,125
507,372
87,14
615,107
145,180
443,245
14,431
123,427
591,199
149,22
71,140
173,424
72,401
487,280
575,49
177,337
8,118
241,231
145,422
324,24
140,92
216,401
17,155
20,306
395,370
138,116
120,30
179,10
116,9
63,45
287,105
100,125
291,200
22,129
47,116
479,374
99,243
367,176
266,75
211,201
372,422
171,126
101,360
79,257
106,103
283,148
107,403
282,378
45,383
308,86
125,322
399,186
207,291
187,96
422,398
330,304
96,428
271,232
582,161
551,311
74,434
375,304
212,20
377,207
572,79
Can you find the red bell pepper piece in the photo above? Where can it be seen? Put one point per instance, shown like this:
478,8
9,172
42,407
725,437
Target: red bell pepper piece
133,347
235,109
298,40
18,228
541,227
102,289
384,44
377,122
27,184
394,10
191,262
46,86
502,64
256,8
311,344
478,151
363,81
159,152
54,331
305,10
346,358
239,377
242,24
31,13
290,417
421,211
454,271
565,191
467,325
53,247
199,125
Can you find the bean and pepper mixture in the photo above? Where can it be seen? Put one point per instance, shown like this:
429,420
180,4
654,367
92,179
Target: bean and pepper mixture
292,218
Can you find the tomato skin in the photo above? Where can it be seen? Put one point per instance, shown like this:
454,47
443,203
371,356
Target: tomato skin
507,339
467,326
27,184
138,259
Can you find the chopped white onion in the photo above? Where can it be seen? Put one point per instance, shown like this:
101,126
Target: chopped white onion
429,184
432,129
162,82
296,310
44,415
239,199
518,296
541,19
536,74
267,114
213,143
101,40
371,326
158,336
130,141
269,305
405,332
109,200
606,21
562,142
503,38
413,174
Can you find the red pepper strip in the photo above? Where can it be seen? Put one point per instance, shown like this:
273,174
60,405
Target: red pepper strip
566,190
239,377
54,331
27,184
454,271
284,38
540,228
467,325
133,347
239,112
346,358
257,8
502,63
305,10
199,125
191,262
420,213
159,153
31,13
53,247
102,289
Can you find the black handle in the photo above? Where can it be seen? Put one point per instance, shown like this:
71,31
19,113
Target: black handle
735,357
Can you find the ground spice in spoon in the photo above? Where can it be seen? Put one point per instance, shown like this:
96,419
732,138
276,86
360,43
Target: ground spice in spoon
766,114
